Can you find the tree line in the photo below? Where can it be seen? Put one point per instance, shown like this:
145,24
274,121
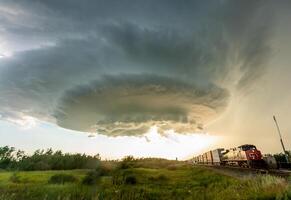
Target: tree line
12,159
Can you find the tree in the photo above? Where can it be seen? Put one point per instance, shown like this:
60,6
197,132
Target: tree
46,160
6,156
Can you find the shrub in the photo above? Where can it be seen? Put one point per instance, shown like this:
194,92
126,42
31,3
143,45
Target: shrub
104,170
127,162
62,179
91,178
172,167
15,178
130,180
160,177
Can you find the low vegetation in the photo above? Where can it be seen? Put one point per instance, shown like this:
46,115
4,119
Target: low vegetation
186,182
62,179
136,179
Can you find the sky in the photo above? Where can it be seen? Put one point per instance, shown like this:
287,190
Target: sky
144,78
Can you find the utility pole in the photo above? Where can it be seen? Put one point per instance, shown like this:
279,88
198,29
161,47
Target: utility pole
284,150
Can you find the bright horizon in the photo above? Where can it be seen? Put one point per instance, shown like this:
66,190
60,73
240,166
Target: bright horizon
152,144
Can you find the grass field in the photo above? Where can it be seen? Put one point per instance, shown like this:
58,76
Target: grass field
182,182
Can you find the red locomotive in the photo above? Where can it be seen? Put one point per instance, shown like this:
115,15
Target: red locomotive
243,156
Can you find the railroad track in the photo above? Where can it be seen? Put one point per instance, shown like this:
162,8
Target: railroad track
250,171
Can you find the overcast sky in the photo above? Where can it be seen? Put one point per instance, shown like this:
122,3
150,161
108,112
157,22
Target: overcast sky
148,78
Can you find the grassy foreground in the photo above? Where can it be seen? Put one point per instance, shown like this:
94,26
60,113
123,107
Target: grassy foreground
182,182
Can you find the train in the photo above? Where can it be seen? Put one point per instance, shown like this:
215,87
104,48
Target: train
245,156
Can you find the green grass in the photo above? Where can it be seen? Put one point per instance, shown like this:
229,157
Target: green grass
182,182
37,177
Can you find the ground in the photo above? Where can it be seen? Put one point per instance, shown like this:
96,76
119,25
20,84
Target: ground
174,182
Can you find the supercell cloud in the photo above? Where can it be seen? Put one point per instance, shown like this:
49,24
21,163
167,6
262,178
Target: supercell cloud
131,104
119,68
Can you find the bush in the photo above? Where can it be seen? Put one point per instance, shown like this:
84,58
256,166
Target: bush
172,167
91,178
130,180
104,170
62,179
14,178
127,162
160,177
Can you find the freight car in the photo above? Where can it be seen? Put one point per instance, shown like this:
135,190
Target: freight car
243,156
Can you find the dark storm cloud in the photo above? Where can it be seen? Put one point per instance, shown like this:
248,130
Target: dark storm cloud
165,63
116,105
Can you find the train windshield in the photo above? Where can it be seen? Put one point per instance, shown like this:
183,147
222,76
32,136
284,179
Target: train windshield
248,147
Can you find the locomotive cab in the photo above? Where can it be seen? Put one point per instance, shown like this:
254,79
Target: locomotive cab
251,152
247,147
253,155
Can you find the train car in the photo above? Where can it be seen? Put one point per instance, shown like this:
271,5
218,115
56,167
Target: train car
203,158
200,160
270,162
209,158
244,156
217,156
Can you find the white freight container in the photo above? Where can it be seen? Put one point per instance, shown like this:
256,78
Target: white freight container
216,156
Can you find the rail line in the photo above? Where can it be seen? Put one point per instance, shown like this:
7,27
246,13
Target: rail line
240,172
